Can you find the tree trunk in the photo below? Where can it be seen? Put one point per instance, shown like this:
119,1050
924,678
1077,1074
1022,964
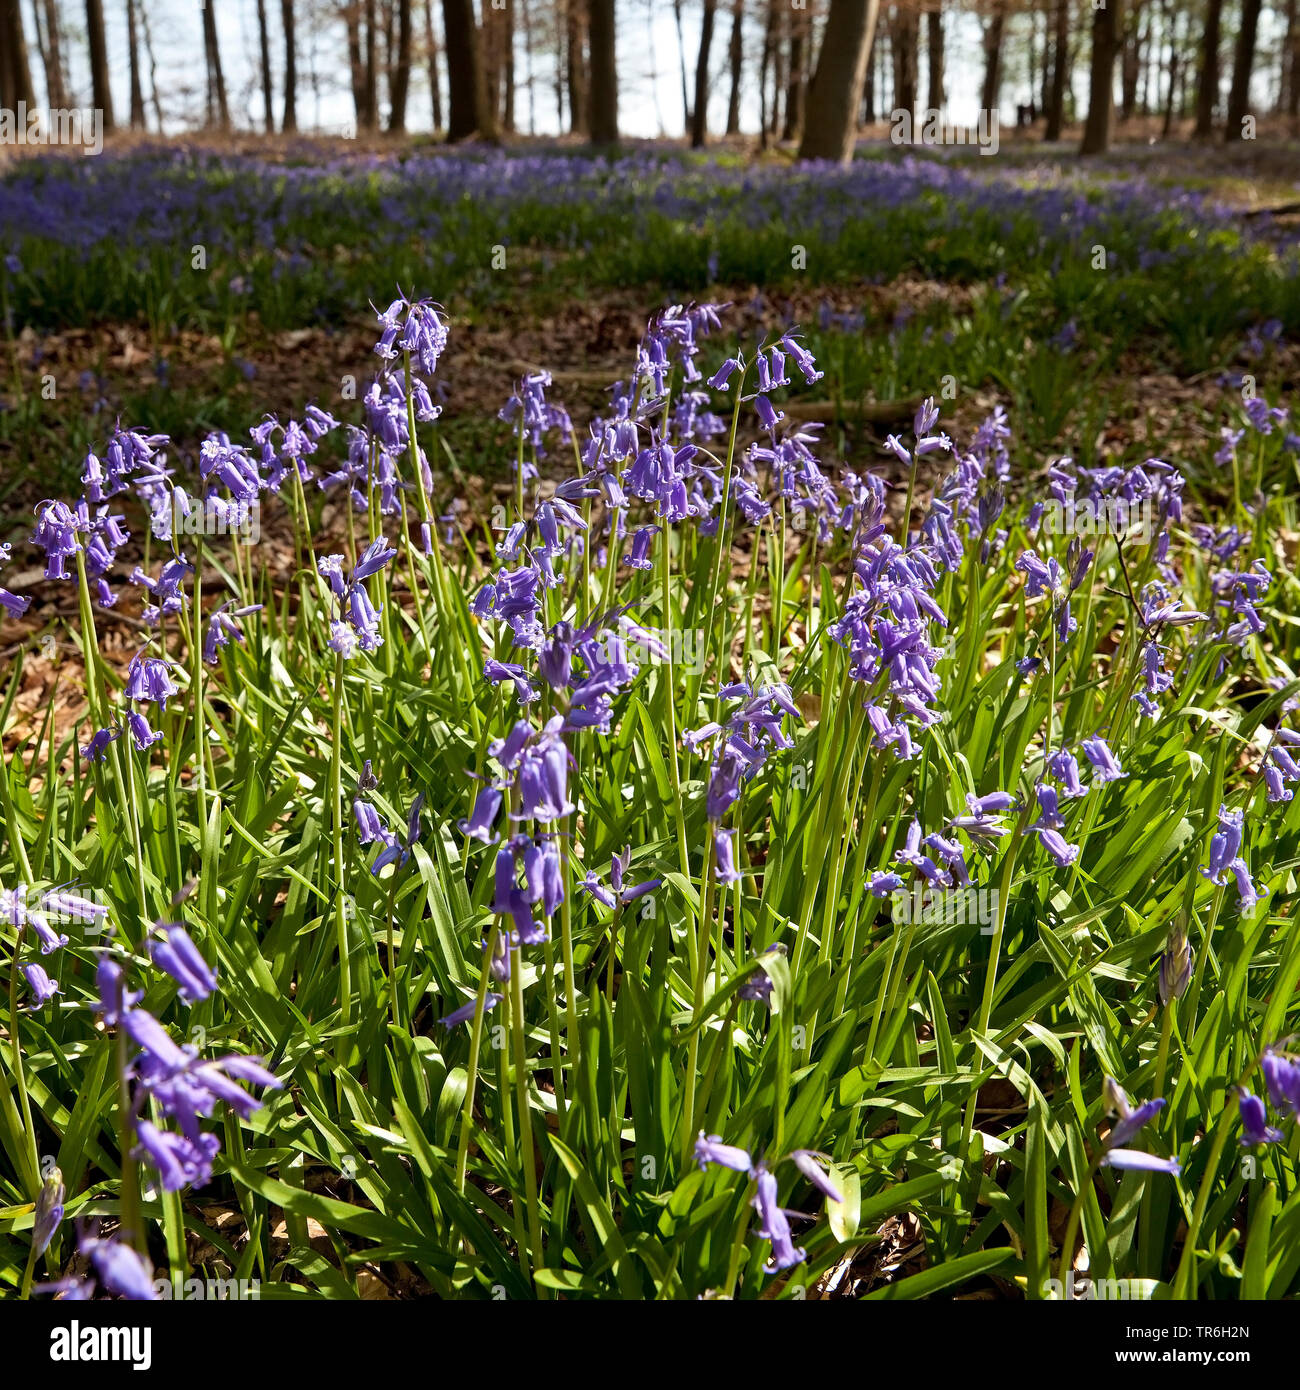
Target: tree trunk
904,36
133,67
681,62
290,120
1101,97
508,68
1293,62
700,110
836,91
431,53
604,73
1060,66
1131,62
1170,18
993,36
934,58
264,52
780,69
15,70
153,63
796,92
368,118
1284,57
736,55
101,91
1207,79
469,112
575,39
1243,63
401,72
216,78
869,87
56,85
765,63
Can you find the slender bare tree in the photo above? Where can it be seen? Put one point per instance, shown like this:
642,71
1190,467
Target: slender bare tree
431,54
1243,63
401,71
994,33
101,90
264,50
934,58
736,58
218,107
1060,69
1207,79
290,120
700,109
796,91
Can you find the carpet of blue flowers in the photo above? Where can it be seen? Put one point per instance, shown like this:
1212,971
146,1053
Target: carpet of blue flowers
678,880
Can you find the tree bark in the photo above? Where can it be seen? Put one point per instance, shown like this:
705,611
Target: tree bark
736,55
469,112
1207,79
904,36
1101,97
431,54
681,62
1131,61
835,95
934,58
51,48
796,91
1243,63
401,72
1170,22
700,110
368,117
15,69
217,103
264,53
1293,62
1060,66
993,36
101,89
289,121
133,67
576,66
604,73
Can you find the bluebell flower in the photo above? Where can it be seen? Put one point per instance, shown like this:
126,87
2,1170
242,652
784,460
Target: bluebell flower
809,1163
711,1149
773,1223
487,805
1255,1128
467,1011
177,954
43,988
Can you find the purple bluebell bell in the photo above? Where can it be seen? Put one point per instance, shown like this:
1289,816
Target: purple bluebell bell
710,1149
176,953
1255,1128
774,1224
42,987
467,1011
